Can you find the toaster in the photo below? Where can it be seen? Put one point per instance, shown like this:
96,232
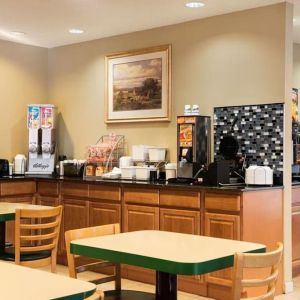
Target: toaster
259,175
4,167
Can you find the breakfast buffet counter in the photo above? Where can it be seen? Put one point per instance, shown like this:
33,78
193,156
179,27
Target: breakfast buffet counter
240,213
160,184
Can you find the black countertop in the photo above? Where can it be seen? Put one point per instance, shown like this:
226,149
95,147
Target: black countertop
160,184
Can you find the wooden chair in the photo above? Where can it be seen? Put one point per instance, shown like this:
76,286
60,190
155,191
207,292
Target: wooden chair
82,233
36,237
98,295
256,260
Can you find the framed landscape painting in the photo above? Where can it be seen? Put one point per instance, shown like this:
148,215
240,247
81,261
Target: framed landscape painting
138,85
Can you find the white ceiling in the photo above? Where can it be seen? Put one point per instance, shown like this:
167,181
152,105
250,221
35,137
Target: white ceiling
46,22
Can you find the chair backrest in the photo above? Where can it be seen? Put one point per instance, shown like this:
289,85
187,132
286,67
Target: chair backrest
83,233
37,230
243,261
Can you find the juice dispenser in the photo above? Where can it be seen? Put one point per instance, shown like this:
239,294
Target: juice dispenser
42,142
193,145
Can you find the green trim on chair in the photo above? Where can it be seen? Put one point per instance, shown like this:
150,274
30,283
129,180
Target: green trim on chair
155,263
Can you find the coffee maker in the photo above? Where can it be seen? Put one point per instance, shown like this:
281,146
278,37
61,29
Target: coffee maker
193,145
41,121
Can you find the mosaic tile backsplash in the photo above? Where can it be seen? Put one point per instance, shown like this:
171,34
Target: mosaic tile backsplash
258,129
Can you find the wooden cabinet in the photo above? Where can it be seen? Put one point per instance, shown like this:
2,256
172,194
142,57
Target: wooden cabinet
141,196
104,213
138,217
48,188
180,199
75,215
296,240
222,226
76,189
105,192
214,212
48,200
295,230
183,221
18,188
222,220
141,212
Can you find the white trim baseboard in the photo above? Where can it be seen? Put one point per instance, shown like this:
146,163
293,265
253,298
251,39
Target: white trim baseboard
288,287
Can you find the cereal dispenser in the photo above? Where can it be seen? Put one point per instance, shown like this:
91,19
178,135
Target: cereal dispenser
41,121
193,145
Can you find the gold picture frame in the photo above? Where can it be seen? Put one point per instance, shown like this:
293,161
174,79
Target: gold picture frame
138,85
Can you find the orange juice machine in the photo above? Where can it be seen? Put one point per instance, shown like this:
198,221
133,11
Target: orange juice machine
41,119
193,145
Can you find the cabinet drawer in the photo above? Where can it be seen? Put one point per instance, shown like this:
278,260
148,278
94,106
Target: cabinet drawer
142,196
74,189
105,192
222,202
180,199
18,188
48,188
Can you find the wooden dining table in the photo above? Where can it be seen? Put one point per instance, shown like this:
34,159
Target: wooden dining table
169,253
7,213
18,282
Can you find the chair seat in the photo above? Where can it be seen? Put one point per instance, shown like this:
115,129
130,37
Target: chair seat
10,255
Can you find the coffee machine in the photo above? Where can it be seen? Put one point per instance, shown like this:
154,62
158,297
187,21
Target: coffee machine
41,121
193,145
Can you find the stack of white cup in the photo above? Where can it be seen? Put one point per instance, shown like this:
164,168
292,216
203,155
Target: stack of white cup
191,110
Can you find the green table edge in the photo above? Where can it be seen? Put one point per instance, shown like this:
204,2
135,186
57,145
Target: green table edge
7,217
79,296
179,268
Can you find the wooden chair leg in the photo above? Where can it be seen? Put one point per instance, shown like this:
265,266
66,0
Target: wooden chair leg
53,262
118,277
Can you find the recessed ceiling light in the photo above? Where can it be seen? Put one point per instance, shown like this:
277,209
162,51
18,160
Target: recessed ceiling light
194,4
76,31
18,33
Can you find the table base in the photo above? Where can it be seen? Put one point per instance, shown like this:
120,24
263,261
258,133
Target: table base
166,286
2,236
128,295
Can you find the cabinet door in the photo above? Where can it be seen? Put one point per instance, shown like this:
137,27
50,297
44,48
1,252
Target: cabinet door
104,213
140,218
183,221
75,215
10,226
222,226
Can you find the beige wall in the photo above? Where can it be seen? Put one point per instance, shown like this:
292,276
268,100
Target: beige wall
296,66
23,80
224,60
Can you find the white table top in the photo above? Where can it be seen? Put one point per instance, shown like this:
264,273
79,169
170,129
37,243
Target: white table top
7,210
18,282
165,251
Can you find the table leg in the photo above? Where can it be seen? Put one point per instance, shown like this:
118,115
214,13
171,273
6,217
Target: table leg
2,236
166,286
